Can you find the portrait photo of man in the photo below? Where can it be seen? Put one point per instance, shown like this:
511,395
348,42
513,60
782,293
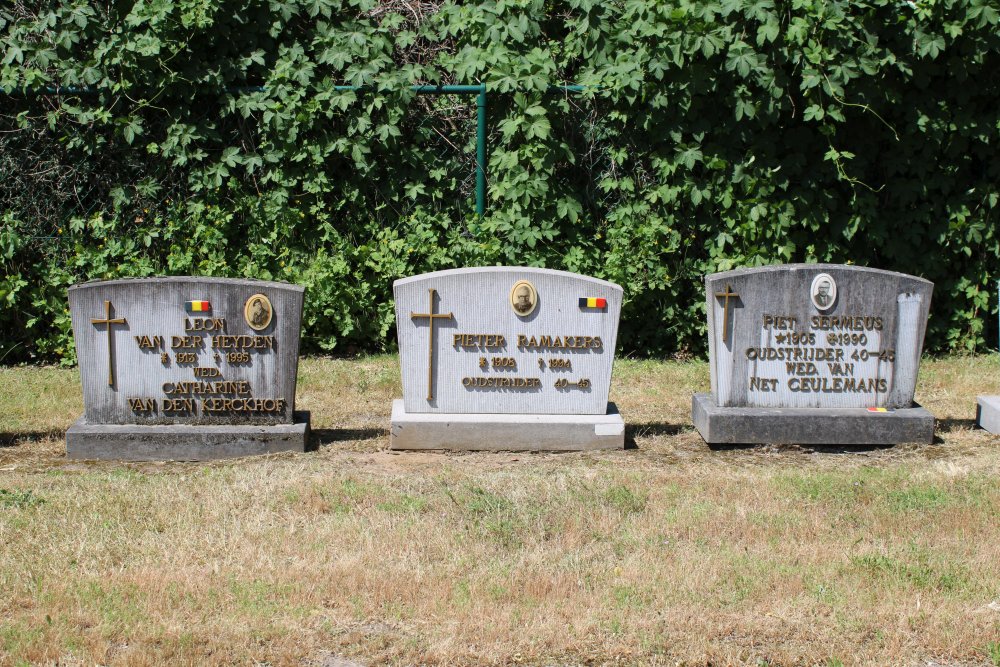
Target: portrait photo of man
257,312
523,298
824,291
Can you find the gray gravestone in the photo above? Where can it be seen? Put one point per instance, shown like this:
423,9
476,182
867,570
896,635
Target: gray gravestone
988,413
814,354
506,358
186,368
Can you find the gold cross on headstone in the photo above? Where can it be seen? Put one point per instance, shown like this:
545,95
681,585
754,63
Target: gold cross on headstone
430,349
729,293
109,321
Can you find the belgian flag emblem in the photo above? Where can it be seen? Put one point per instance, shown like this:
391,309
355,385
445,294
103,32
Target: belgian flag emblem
593,302
198,306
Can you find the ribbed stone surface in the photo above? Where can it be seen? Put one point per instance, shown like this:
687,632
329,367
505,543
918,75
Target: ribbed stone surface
478,301
156,307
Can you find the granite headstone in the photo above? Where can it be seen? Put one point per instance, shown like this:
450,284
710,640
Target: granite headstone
506,358
186,368
988,413
814,354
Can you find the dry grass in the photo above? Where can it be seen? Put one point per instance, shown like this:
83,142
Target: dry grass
668,552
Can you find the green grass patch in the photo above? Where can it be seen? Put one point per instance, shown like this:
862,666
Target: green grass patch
840,488
625,500
404,504
920,570
19,499
259,598
118,605
629,597
993,653
496,517
343,497
893,490
920,497
16,637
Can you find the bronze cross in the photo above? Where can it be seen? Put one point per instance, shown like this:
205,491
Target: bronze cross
430,359
725,309
109,321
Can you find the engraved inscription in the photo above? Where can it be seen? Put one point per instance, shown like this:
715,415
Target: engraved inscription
563,383
826,354
559,342
479,340
209,392
503,382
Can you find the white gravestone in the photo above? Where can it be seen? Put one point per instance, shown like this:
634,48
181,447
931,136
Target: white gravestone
814,354
506,358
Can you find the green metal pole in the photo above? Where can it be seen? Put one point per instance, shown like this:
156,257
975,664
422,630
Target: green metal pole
481,151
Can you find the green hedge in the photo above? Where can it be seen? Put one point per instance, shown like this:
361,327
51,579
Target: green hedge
206,137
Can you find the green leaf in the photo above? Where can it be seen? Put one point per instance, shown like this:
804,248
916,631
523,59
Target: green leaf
741,58
813,112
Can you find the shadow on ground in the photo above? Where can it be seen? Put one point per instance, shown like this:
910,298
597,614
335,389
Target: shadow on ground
29,437
320,437
650,430
952,425
818,449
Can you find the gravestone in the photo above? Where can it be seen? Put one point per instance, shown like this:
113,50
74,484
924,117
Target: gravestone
814,354
988,413
506,358
186,368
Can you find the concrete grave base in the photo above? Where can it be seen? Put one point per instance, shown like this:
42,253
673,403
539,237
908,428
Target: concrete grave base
184,442
988,413
505,432
809,426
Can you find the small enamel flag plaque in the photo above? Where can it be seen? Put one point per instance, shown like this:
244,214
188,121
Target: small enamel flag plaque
593,302
198,306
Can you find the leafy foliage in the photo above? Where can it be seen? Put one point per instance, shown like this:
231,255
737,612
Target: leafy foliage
217,137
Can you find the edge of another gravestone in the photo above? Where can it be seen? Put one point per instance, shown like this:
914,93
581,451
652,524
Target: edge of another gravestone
988,413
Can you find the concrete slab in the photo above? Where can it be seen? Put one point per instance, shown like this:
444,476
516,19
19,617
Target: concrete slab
809,426
184,442
988,413
506,432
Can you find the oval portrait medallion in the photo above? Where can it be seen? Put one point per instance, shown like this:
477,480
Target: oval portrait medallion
523,298
823,291
257,312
